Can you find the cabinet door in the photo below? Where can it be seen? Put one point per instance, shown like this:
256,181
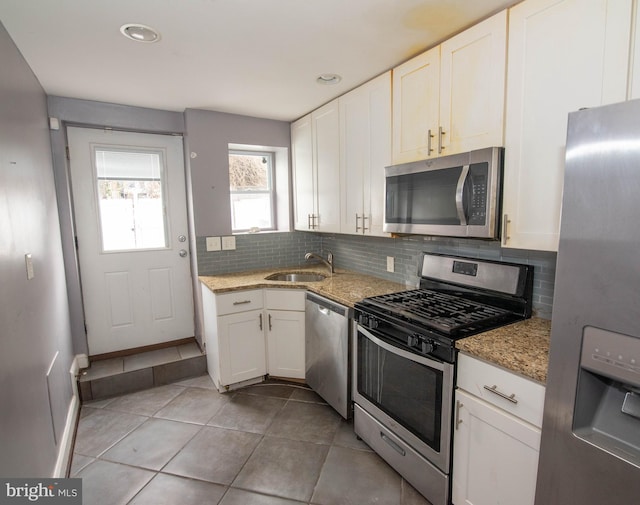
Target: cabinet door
416,99
495,455
241,347
303,178
634,73
326,155
472,87
555,65
354,147
365,149
285,343
379,101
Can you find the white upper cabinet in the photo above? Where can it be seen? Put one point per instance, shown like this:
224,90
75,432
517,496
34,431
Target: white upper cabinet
315,144
326,158
450,99
563,55
416,107
472,84
634,74
303,173
365,149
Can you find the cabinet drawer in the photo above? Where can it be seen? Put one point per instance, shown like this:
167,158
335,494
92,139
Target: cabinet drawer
284,299
521,397
238,301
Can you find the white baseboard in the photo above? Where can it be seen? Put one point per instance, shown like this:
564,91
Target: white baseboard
65,447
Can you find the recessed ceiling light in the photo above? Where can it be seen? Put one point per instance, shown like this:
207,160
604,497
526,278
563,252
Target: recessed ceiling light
328,79
139,33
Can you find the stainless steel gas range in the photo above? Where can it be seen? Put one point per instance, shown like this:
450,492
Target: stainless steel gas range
405,358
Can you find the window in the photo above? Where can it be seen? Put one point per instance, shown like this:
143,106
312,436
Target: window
131,201
252,187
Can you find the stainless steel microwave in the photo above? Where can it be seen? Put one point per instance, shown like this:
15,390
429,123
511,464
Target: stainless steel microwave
455,196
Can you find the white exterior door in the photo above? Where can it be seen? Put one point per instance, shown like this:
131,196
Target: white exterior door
131,225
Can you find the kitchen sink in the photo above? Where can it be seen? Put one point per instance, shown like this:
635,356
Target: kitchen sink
296,277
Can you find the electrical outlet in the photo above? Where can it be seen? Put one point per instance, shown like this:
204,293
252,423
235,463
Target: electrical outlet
213,244
390,264
228,243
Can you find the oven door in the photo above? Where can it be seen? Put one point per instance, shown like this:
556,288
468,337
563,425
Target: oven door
409,394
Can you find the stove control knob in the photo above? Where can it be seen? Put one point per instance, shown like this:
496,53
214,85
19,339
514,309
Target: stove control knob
413,341
373,323
428,346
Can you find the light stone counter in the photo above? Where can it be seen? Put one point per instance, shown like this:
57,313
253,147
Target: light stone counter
343,286
521,347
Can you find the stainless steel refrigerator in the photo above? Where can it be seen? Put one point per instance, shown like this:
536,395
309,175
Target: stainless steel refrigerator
590,449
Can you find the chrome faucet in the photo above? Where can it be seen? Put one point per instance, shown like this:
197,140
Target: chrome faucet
328,261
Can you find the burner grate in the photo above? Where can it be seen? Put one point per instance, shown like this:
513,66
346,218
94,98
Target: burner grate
440,311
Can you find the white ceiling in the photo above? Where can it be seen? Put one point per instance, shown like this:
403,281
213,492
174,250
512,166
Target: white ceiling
252,57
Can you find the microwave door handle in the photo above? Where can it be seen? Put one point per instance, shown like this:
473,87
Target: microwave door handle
460,195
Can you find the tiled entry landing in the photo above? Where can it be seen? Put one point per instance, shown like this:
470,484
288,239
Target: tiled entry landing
115,376
268,444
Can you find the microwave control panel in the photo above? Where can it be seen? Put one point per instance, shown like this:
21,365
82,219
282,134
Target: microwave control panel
478,177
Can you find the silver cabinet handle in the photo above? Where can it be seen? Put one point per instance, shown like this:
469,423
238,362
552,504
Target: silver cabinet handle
243,302
260,321
364,223
357,227
505,229
441,134
458,420
429,137
392,444
309,221
270,322
494,389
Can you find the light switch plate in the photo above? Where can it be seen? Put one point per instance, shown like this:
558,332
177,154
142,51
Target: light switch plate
213,244
28,260
228,243
390,264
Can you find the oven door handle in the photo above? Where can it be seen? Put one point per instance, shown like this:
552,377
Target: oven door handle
462,215
438,365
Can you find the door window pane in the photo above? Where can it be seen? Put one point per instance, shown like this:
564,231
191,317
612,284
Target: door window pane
130,199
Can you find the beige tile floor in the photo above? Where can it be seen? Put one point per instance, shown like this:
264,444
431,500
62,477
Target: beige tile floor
187,444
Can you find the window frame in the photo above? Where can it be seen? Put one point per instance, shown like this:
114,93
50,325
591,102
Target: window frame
271,176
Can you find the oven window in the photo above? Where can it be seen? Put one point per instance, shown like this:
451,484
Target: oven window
408,391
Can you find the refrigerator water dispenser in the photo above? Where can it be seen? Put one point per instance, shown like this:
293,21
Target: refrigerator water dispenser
607,409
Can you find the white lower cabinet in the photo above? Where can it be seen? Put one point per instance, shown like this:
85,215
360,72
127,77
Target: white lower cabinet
495,452
251,333
242,347
285,332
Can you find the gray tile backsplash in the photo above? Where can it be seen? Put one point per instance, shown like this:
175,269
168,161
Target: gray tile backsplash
369,255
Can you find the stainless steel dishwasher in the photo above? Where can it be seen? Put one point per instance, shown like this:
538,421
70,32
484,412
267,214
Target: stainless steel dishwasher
327,356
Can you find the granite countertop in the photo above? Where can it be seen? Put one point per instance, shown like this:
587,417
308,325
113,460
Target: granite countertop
343,286
521,347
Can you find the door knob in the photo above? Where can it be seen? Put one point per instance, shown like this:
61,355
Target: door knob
182,253
182,238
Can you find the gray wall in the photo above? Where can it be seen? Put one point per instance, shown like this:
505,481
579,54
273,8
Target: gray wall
35,334
208,136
